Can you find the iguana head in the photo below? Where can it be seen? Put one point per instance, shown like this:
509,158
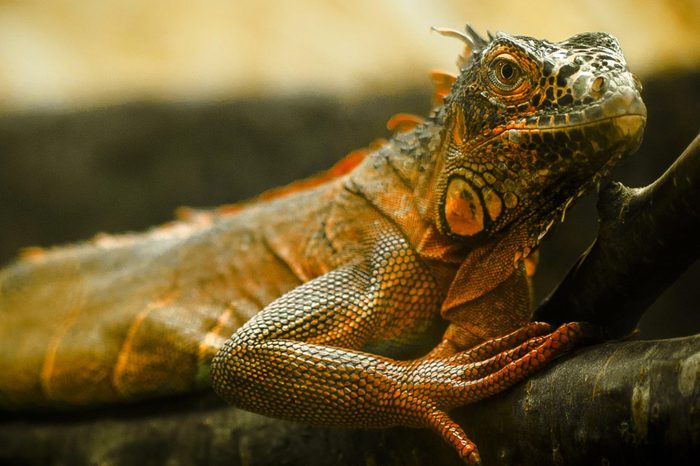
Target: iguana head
532,125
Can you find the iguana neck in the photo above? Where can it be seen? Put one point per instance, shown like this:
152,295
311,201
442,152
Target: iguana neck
401,181
397,179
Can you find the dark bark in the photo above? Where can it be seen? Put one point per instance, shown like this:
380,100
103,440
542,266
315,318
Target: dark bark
623,403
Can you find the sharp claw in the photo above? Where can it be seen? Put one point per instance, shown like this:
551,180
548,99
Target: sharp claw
473,458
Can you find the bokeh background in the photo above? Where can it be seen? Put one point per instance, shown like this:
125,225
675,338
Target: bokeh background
115,112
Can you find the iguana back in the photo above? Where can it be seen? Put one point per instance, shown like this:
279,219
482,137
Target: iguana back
128,316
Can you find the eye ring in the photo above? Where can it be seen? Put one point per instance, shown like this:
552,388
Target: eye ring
505,74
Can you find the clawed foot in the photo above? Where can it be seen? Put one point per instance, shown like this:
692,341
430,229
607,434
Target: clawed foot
487,369
453,434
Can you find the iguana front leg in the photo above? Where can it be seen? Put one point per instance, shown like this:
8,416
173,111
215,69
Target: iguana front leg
301,359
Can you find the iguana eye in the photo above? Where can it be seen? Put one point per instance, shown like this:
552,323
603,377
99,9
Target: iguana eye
504,74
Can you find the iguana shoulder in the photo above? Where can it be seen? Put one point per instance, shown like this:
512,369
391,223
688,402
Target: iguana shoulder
79,323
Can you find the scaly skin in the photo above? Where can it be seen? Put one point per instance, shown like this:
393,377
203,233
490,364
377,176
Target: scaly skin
373,297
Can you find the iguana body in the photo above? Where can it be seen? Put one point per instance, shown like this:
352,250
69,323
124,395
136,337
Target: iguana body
360,300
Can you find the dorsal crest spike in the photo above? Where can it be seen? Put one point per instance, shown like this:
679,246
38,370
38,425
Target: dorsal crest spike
443,82
472,40
449,32
478,41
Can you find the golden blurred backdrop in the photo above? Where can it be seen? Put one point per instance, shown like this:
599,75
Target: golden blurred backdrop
66,54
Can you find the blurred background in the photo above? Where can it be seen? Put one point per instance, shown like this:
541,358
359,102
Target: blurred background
114,113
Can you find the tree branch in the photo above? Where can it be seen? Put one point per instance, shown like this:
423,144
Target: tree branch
623,403
617,403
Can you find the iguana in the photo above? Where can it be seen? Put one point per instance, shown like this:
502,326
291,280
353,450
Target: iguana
375,295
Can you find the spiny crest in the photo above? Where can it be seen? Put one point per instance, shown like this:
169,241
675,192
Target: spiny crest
473,42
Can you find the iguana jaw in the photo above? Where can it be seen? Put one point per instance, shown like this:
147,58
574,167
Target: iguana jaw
615,134
540,222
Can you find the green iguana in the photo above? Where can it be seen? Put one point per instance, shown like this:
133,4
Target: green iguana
373,296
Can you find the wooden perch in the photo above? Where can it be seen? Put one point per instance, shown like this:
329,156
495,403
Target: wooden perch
631,402
624,403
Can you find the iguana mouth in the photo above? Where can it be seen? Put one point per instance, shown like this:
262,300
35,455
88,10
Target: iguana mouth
630,124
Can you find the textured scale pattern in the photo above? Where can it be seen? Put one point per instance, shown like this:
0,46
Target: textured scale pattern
377,294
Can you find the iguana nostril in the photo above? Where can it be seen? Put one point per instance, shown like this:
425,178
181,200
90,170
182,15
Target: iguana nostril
598,85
